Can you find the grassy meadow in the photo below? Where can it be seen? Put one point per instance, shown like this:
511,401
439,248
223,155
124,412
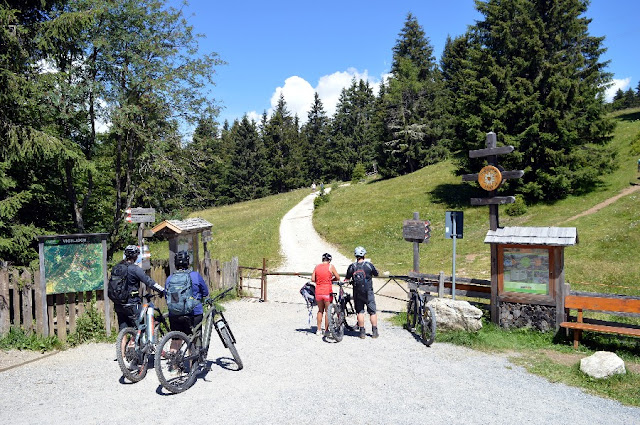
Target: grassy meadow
605,259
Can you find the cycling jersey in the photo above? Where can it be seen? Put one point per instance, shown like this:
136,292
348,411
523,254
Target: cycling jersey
323,279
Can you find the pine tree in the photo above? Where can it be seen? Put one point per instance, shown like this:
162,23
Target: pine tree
315,132
415,106
534,73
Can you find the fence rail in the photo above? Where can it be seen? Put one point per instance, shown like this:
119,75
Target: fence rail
23,305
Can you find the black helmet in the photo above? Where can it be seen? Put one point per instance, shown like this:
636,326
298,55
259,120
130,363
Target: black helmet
182,260
131,252
326,257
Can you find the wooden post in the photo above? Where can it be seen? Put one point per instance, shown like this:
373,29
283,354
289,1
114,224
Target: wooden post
495,310
61,316
71,300
173,250
27,301
50,319
492,160
107,305
5,318
42,300
441,284
196,252
14,278
558,276
41,312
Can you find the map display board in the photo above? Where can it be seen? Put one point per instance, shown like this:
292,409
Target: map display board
73,263
526,270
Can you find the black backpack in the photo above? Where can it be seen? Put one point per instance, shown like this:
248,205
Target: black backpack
359,278
118,288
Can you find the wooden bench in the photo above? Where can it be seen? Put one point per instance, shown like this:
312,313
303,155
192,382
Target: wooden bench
610,305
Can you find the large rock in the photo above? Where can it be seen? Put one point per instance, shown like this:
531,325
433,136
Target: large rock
602,364
456,315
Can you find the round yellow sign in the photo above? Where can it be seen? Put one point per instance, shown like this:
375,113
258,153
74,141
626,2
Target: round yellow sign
489,178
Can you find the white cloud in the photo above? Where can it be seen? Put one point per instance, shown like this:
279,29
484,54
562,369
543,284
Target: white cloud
617,83
298,93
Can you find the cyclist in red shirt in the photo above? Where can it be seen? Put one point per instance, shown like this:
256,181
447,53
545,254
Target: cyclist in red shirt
323,275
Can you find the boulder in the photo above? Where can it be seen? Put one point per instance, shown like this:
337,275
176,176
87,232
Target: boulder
456,315
602,364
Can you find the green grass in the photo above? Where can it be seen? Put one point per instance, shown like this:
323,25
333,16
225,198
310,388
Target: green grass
247,230
605,259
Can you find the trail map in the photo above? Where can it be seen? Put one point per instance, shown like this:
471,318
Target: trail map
73,264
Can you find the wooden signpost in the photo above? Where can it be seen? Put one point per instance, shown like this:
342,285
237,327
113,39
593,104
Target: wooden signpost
490,179
416,231
142,216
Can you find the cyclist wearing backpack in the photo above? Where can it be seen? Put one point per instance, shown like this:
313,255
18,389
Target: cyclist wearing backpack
124,286
360,273
184,289
323,275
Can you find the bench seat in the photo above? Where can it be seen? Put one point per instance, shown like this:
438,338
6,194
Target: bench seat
611,305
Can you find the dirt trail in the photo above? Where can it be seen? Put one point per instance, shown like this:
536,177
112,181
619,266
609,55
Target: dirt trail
605,203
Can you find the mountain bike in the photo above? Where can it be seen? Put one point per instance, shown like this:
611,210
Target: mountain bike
181,358
340,308
135,346
421,317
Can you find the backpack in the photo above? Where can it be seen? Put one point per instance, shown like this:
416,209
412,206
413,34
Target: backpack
308,292
118,288
359,278
179,293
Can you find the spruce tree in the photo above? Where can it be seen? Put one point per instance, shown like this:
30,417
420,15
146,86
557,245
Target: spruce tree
415,106
533,72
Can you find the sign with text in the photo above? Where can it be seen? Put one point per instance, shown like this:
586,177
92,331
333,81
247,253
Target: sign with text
416,230
140,215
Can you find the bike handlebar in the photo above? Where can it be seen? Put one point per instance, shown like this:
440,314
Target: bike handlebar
211,300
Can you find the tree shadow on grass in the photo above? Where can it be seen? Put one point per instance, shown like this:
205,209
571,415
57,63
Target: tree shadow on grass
632,116
456,195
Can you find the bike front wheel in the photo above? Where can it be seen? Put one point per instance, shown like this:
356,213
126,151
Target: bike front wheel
428,325
176,362
227,340
133,363
336,322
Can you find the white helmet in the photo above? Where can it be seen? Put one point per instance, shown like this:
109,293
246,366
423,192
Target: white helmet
359,251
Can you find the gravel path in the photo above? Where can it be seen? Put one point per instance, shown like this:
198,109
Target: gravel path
292,376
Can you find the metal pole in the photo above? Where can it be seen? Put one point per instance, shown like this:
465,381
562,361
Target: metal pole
453,272
416,249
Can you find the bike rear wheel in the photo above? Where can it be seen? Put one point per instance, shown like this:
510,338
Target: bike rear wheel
227,340
336,322
176,364
133,363
428,325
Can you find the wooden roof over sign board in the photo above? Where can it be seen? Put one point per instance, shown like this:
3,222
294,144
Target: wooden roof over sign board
182,227
552,236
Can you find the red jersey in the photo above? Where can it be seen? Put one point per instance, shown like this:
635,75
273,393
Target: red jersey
323,279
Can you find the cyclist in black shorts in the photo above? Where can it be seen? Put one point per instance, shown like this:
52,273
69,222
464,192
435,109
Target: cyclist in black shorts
367,297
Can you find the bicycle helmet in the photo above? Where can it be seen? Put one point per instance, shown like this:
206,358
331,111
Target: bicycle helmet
326,257
359,251
131,251
182,260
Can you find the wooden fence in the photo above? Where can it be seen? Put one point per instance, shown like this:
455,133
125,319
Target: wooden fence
23,305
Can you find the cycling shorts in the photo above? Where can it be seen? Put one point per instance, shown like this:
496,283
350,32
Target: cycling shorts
326,298
361,300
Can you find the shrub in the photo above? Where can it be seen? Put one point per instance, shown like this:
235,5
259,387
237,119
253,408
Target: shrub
19,339
519,207
359,173
89,326
320,200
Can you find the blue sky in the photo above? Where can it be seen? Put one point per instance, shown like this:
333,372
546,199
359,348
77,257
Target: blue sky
299,47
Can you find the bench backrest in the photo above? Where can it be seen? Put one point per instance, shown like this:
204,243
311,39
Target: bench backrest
623,305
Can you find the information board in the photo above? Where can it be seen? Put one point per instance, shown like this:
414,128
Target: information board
73,263
526,270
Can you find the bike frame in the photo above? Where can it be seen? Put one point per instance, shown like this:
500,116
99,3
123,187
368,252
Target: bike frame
340,299
203,329
147,323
